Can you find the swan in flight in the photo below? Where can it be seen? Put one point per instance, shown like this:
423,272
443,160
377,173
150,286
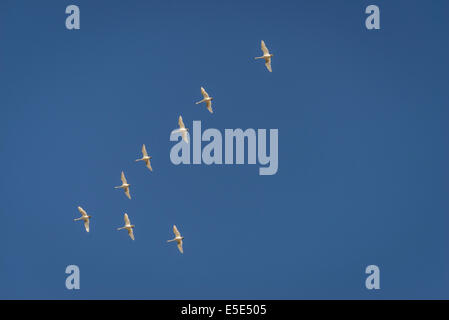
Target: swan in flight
128,226
182,129
177,238
206,99
85,217
145,158
266,56
125,186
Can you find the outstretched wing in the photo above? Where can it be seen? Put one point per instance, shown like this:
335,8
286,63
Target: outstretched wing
131,233
268,64
127,222
180,246
209,106
175,231
127,193
144,151
86,224
181,124
123,178
204,93
81,210
184,136
264,48
149,165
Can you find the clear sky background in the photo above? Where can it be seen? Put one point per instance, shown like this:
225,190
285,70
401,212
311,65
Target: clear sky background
363,149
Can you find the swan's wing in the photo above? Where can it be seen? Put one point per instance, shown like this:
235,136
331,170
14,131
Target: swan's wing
144,151
123,178
86,224
81,210
204,93
264,48
131,233
127,222
127,192
184,136
180,246
175,231
149,165
268,64
181,124
209,106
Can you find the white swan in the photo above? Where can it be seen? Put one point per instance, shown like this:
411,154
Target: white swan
145,158
177,238
125,186
206,99
128,226
182,129
85,217
266,56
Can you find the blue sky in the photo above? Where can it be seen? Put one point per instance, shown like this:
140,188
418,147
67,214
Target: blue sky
363,149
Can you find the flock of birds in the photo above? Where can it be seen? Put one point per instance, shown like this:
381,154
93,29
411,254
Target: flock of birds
146,158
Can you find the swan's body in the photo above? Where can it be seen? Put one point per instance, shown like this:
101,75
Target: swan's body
146,158
206,99
128,226
266,56
125,186
182,129
177,238
85,217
